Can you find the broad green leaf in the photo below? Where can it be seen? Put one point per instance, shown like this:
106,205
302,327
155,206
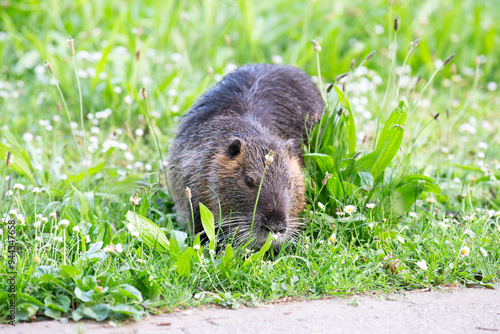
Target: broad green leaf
101,311
91,171
128,290
149,232
24,311
71,271
207,220
20,164
366,180
402,199
398,116
349,121
257,256
59,303
127,309
183,262
388,150
51,313
83,205
228,256
84,296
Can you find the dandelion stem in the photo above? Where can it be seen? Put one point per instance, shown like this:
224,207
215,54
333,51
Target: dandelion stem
256,202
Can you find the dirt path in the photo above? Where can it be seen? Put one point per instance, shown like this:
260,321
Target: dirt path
460,311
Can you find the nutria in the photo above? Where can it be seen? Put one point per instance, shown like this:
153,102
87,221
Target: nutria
220,147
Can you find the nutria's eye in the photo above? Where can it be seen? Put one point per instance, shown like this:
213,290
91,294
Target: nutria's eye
234,148
250,181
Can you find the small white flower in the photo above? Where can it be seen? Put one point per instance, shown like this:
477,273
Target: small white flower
430,200
110,248
134,233
27,137
401,239
443,225
128,99
370,206
21,218
370,225
38,239
87,238
274,236
130,227
482,145
464,251
469,233
95,130
63,223
332,238
139,132
119,248
269,157
58,239
53,214
451,265
212,252
129,156
37,224
9,193
480,155
141,261
422,264
135,199
36,190
45,220
321,206
413,214
76,229
350,209
196,247
13,212
483,251
277,59
19,186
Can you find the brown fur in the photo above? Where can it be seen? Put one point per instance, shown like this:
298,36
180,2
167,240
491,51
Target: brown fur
219,153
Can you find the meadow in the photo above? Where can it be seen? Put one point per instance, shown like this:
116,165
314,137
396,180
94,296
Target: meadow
402,171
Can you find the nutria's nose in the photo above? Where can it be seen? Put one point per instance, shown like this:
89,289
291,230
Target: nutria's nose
275,221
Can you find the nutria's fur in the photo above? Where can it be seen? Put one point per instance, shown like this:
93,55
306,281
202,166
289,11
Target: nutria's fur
220,147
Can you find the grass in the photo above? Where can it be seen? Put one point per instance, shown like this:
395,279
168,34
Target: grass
431,182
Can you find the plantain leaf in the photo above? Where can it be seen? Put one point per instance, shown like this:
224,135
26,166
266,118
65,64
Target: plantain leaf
20,164
149,232
388,150
349,121
207,220
257,256
398,116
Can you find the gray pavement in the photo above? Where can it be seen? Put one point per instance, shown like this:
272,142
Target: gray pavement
459,311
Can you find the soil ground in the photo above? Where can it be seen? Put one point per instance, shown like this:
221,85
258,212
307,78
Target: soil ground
458,311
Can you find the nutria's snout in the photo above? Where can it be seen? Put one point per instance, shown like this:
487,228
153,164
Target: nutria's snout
275,221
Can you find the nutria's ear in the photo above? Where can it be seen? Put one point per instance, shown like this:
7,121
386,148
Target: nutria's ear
234,148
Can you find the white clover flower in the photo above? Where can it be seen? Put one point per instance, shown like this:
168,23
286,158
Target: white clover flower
350,209
53,214
58,239
443,225
63,223
36,190
45,220
9,193
422,264
19,186
370,206
76,229
196,247
464,251
37,224
119,248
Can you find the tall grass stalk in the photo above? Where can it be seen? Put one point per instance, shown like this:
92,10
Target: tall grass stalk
389,82
150,124
70,40
47,64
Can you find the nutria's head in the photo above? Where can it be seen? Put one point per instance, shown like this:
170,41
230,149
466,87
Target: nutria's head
238,172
